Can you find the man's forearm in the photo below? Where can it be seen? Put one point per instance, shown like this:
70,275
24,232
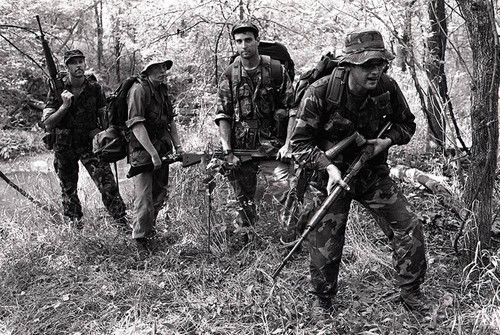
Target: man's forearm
142,136
289,130
54,118
225,134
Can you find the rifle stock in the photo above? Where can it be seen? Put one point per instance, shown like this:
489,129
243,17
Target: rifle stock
187,159
365,155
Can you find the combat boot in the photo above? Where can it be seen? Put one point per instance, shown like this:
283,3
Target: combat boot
321,309
143,251
414,301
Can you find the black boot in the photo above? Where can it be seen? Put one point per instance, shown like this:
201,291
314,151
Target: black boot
142,248
414,301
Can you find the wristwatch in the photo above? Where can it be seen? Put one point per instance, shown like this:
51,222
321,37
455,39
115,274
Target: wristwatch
227,152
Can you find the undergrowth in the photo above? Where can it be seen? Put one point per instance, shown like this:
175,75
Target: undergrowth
57,280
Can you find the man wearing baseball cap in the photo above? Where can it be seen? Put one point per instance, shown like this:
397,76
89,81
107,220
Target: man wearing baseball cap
74,117
253,114
369,99
153,136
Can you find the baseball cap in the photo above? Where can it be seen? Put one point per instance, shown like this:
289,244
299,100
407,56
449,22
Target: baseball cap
244,25
72,54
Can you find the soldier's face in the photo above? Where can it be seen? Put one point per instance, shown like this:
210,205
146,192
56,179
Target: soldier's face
157,73
365,77
76,67
246,44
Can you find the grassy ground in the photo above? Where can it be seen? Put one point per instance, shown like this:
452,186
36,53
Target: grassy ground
56,280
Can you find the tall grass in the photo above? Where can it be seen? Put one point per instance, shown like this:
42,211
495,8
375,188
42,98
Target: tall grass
57,280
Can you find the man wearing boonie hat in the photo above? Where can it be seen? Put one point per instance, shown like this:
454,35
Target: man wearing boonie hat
153,136
74,118
369,99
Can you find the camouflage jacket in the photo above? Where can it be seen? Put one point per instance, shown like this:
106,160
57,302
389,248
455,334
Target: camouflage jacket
83,114
367,116
256,108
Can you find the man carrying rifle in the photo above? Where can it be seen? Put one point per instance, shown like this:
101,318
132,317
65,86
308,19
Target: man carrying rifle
153,136
253,112
370,98
74,117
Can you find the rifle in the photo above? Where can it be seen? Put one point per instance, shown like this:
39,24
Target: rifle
56,83
189,159
55,78
365,154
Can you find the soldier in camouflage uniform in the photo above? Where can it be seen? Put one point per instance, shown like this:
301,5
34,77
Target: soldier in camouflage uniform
370,99
253,113
75,119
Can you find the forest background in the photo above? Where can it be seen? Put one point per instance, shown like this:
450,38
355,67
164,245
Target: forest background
57,281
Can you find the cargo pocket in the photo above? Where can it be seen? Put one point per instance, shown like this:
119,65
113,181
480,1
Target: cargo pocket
62,139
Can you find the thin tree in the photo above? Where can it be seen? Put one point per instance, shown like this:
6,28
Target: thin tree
437,90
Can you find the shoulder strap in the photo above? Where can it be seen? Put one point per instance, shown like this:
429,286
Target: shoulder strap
232,72
276,73
273,67
145,84
336,87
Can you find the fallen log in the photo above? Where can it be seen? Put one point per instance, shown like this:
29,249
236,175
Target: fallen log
433,183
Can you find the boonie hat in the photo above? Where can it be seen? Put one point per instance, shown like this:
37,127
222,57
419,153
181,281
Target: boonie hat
244,25
167,62
361,46
72,54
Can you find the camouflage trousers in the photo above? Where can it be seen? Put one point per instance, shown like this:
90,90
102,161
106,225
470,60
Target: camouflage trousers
244,183
66,167
297,205
394,214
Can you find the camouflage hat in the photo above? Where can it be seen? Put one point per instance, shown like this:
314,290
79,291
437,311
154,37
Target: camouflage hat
244,26
361,46
72,54
167,62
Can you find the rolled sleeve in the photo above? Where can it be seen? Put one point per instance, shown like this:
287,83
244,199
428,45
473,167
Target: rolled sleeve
47,112
225,108
136,102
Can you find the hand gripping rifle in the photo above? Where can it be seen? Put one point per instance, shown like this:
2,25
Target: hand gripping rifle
365,154
56,83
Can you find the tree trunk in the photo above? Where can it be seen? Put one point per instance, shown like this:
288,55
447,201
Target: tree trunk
483,39
117,46
100,32
437,91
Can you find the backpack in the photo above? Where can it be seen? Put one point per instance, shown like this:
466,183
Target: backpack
328,65
323,68
111,144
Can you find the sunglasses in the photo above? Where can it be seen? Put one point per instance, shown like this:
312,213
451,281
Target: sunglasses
380,65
